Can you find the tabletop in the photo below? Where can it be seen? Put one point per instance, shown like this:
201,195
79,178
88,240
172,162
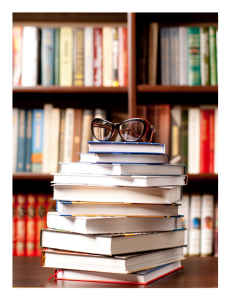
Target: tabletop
198,272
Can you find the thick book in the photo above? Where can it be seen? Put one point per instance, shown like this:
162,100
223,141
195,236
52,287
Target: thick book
194,140
184,137
107,56
193,44
174,55
40,212
111,244
17,55
28,145
195,225
77,134
66,56
98,57
15,127
37,140
21,153
68,135
152,53
204,56
165,56
103,225
20,247
182,55
56,55
123,56
47,108
47,56
30,225
88,56
143,277
78,56
184,211
175,135
204,140
213,56
54,139
118,194
115,52
86,133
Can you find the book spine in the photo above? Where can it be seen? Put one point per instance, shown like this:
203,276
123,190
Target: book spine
115,52
40,221
61,136
50,204
204,56
86,134
216,227
184,138
15,126
37,140
21,157
68,136
213,56
174,55
54,140
77,134
175,134
88,56
47,56
56,55
204,140
211,140
17,55
142,54
30,225
14,224
165,57
66,56
182,55
28,140
78,56
193,140
207,222
123,56
194,229
184,211
107,56
193,37
216,141
30,56
164,118
98,57
21,225
153,44
47,108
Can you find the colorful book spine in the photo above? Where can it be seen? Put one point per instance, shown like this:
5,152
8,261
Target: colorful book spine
66,56
123,56
54,139
115,52
175,135
14,224
216,141
46,154
68,136
182,55
153,45
98,57
174,55
78,56
17,55
204,141
61,136
88,56
184,211
28,140
21,157
30,225
21,225
165,56
204,56
37,140
56,55
213,56
194,140
15,126
77,134
211,140
107,56
184,138
194,229
193,37
216,226
47,56
40,221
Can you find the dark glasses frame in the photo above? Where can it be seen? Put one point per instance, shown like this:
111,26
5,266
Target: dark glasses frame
116,129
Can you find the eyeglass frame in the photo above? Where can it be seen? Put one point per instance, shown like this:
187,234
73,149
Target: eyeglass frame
115,129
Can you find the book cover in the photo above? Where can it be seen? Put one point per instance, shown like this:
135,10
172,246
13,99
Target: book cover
47,56
15,126
61,136
98,57
204,56
68,135
86,134
56,55
78,56
216,226
21,225
77,134
107,56
123,56
174,55
183,210
21,153
30,225
115,52
29,113
66,56
175,135
54,139
88,56
46,153
184,137
204,141
40,212
195,225
164,120
142,53
182,55
152,53
165,56
17,55
212,56
194,140
14,224
193,42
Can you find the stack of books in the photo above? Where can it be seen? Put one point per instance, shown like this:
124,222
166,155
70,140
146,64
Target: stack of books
117,215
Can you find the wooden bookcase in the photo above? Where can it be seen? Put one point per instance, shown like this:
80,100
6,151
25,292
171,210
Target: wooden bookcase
123,98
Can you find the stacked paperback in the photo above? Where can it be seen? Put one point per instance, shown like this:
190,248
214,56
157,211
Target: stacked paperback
117,215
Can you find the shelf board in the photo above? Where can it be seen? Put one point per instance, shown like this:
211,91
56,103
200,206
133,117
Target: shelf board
71,89
147,88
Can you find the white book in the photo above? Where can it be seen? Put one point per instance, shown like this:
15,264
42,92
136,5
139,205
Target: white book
107,56
184,210
175,134
88,56
216,141
68,136
66,56
15,120
46,138
207,223
30,56
193,140
54,139
86,134
194,229
183,55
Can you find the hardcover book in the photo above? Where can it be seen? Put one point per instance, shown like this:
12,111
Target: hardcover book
165,56
115,52
31,225
193,37
195,225
213,55
204,56
174,55
21,153
29,113
47,56
98,56
123,56
153,46
66,56
88,56
107,56
78,56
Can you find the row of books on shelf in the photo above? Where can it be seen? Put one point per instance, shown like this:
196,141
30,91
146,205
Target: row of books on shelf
182,55
190,134
70,56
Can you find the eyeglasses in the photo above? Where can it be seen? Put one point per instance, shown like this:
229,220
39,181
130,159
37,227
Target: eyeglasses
131,130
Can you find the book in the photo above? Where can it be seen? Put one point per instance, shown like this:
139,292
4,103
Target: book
217,54
30,225
47,109
47,56
66,56
122,180
152,53
115,51
20,225
29,114
37,140
98,57
194,140
122,56
40,212
183,210
61,136
88,56
211,140
54,139
14,224
78,56
21,153
143,277
15,127
115,264
86,133
50,205
30,55
195,225
213,55
56,55
117,194
216,226
68,135
204,140
175,157
99,113
216,140
184,137
17,55
207,225
204,56
164,120
111,244
128,158
142,53
165,56
174,55
77,134
102,225
124,147
107,56
193,58
182,55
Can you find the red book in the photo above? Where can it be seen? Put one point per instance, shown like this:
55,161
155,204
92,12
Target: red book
50,204
14,221
204,141
17,55
122,56
164,126
30,225
21,225
97,60
211,140
40,220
